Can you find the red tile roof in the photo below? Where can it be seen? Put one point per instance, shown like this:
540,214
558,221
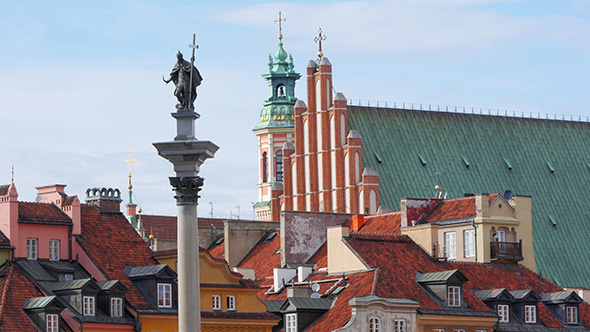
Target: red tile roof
449,209
42,213
4,189
4,241
263,257
164,227
218,251
239,315
388,223
110,240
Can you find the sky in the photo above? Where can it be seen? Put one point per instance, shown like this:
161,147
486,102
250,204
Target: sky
81,82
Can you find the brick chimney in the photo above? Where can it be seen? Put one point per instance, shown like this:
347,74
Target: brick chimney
54,193
106,199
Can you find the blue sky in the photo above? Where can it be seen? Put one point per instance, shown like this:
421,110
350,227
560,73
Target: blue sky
81,82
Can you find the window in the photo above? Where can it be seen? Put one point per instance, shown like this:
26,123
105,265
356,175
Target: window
450,245
116,307
530,314
54,250
52,323
469,243
216,302
571,315
264,167
291,323
503,313
31,248
438,330
459,330
165,295
399,325
454,298
500,236
374,324
66,277
279,164
88,305
231,302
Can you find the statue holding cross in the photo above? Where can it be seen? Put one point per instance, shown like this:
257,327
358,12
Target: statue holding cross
186,78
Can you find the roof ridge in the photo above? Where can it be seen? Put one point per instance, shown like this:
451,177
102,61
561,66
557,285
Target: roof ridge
382,214
381,237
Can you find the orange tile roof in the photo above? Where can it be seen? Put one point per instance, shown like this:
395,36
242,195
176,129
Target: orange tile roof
388,223
218,251
110,240
449,209
42,213
263,257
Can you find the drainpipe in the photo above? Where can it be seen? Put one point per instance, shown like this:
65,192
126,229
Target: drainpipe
474,237
70,242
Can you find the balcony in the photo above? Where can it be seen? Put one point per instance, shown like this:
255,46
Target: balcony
506,251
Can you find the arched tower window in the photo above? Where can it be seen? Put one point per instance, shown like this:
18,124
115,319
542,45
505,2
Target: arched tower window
281,90
264,167
279,165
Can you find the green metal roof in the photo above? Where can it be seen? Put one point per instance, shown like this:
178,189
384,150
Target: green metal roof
38,302
548,160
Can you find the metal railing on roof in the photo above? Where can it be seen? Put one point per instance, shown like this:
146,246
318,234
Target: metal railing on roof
469,110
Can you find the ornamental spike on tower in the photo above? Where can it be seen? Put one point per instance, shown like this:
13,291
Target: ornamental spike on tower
275,126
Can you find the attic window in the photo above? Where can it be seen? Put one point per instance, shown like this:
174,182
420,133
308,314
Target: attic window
571,315
466,162
530,314
454,296
270,237
508,164
52,323
422,160
551,169
378,157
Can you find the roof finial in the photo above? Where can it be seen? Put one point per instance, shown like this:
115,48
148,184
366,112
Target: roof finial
318,40
279,21
12,181
128,162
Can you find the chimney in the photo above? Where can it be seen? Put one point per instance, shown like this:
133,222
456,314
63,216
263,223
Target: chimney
54,193
414,208
9,213
358,220
107,200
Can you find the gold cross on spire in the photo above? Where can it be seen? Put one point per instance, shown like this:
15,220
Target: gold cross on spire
279,21
318,40
128,162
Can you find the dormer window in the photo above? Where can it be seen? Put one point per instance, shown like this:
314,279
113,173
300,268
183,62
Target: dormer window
530,314
89,306
164,295
116,307
571,315
454,296
504,313
52,323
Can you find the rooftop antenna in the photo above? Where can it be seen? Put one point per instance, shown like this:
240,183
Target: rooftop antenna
211,212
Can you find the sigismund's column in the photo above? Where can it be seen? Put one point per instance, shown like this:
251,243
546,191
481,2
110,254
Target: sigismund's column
186,154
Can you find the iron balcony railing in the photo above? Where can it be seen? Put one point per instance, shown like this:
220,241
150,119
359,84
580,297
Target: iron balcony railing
506,250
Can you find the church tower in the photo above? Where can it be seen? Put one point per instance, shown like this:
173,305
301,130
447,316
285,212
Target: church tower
275,128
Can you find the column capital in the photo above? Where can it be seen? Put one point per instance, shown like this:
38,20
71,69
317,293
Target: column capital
187,189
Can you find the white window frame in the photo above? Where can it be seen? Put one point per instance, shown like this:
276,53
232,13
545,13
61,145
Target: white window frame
530,314
89,304
399,325
291,322
454,296
116,307
500,236
469,243
450,245
32,245
374,324
231,303
216,302
54,246
164,295
438,330
52,322
504,313
459,330
571,314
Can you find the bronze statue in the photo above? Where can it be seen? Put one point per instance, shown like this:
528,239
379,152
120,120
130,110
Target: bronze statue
186,86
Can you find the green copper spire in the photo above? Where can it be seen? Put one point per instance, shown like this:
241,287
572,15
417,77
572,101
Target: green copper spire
278,107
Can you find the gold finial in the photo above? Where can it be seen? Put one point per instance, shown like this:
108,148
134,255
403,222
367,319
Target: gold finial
139,210
279,21
151,236
128,162
318,40
436,187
